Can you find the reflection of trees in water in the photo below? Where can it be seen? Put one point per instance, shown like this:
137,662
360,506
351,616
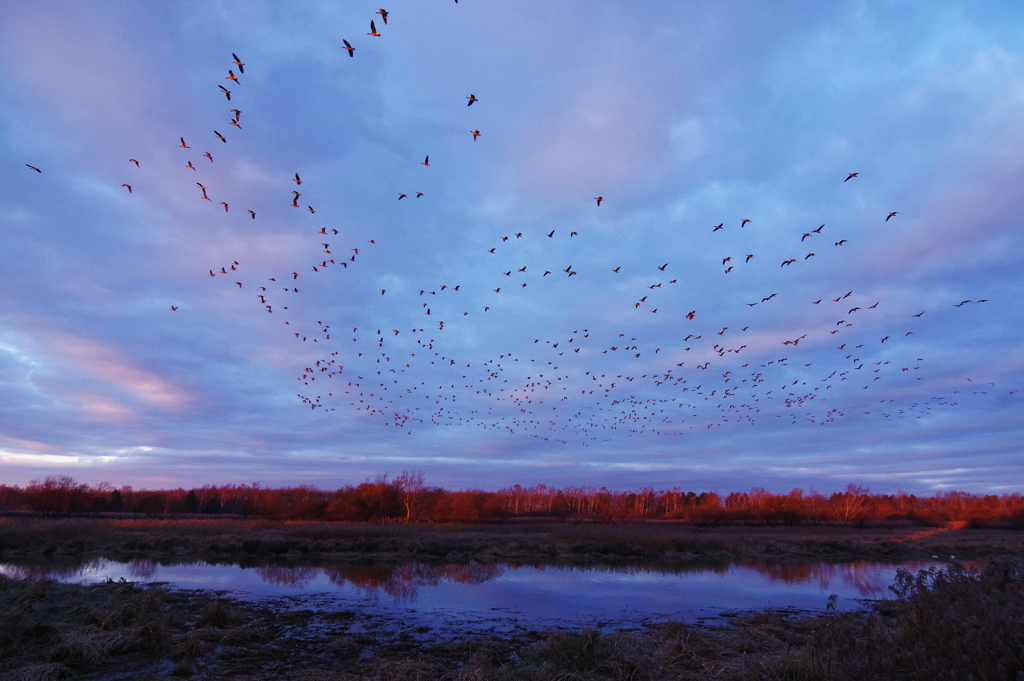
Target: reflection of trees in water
48,571
719,567
142,569
287,576
403,582
472,573
869,579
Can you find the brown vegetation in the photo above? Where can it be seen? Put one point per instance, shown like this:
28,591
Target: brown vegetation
259,542
942,624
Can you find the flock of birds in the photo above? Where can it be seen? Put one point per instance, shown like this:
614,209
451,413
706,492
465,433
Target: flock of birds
552,388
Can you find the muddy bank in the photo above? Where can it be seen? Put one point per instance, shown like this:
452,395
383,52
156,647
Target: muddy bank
569,544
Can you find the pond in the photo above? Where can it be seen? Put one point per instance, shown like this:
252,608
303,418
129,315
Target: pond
505,597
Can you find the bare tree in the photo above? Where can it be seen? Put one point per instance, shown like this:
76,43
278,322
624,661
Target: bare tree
410,489
849,505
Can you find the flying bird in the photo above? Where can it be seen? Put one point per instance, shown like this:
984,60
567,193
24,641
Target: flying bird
174,308
745,221
132,160
718,227
373,30
851,175
227,92
890,215
383,14
251,213
34,168
128,186
231,76
220,136
472,98
183,145
297,179
426,161
238,62
209,156
599,199
351,50
475,133
189,165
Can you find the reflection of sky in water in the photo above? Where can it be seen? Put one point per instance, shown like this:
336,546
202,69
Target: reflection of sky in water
534,596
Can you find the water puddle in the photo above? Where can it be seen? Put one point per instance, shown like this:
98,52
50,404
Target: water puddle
503,598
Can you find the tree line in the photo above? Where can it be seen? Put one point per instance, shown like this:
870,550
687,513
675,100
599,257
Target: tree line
407,499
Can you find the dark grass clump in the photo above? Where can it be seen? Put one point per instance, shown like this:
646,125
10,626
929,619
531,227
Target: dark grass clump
949,624
50,630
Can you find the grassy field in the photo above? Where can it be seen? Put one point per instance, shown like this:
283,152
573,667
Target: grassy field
940,625
541,543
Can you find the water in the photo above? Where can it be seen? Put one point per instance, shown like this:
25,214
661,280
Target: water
505,597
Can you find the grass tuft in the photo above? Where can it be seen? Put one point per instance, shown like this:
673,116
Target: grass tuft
47,671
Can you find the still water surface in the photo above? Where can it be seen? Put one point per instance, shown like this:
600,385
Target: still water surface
517,596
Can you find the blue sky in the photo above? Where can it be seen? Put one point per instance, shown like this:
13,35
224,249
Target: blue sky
682,117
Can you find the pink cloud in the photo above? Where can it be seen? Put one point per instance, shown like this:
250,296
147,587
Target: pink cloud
106,364
9,442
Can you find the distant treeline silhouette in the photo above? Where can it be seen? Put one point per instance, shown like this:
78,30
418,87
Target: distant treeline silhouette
407,499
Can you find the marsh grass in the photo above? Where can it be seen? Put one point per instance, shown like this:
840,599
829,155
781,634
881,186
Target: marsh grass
942,625
48,629
225,540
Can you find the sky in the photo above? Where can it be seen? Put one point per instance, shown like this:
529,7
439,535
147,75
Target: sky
804,269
